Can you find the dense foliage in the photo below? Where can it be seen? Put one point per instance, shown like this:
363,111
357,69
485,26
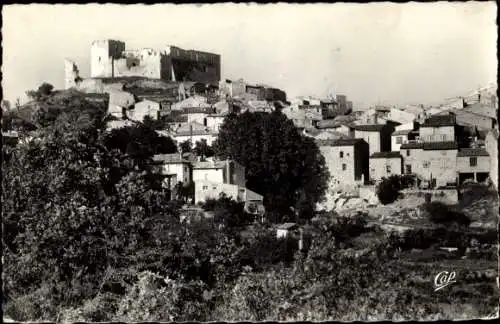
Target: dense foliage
388,190
280,164
86,237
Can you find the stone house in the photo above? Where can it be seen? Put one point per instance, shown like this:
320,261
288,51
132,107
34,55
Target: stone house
400,137
346,160
284,230
193,132
438,128
491,146
385,164
378,136
480,121
232,88
400,116
119,101
411,152
474,164
439,163
145,108
174,167
212,178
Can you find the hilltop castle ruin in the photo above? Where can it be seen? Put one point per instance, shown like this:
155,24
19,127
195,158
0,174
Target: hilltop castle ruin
110,59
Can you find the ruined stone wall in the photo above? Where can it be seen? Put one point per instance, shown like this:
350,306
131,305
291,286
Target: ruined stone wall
102,55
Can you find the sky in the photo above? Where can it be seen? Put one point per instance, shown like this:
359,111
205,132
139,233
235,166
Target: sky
378,53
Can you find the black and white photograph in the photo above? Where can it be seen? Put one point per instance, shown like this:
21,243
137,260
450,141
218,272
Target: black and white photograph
234,162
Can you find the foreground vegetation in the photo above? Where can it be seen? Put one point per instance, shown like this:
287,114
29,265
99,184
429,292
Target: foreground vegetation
89,236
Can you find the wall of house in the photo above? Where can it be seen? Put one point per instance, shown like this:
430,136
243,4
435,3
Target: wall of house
406,126
211,175
361,162
395,144
195,138
463,164
442,166
400,116
335,163
197,117
379,167
215,122
181,170
414,159
437,134
480,121
372,138
143,109
204,190
491,146
119,100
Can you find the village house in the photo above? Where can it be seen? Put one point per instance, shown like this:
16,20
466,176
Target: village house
303,118
174,168
400,116
411,152
346,160
192,132
491,146
439,163
385,164
371,117
401,136
465,117
230,88
119,101
144,108
473,164
286,229
438,128
378,137
213,178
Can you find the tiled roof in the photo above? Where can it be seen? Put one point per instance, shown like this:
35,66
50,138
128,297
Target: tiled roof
440,146
402,132
369,128
169,158
379,155
340,142
209,165
287,226
412,145
439,120
472,152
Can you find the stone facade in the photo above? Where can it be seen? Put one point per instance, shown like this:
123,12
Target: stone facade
346,160
109,59
145,108
473,163
491,146
385,164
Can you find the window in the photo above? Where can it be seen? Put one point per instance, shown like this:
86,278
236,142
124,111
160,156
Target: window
407,152
399,140
426,164
206,176
341,154
388,168
408,169
443,137
344,166
205,187
473,161
429,138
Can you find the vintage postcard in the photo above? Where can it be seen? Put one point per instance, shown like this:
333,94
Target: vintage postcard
244,162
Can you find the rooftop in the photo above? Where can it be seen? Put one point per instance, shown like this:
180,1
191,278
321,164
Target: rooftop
340,142
286,226
385,155
209,164
169,158
440,146
402,132
472,152
369,128
439,120
412,145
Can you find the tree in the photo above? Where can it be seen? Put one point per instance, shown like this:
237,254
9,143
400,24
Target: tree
388,190
202,149
44,90
280,163
186,146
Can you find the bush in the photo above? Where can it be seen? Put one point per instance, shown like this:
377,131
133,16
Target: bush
440,213
388,189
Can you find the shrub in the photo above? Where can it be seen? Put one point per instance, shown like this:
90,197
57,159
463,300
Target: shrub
443,214
388,190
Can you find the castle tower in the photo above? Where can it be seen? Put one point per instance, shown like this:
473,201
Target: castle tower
71,74
102,56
